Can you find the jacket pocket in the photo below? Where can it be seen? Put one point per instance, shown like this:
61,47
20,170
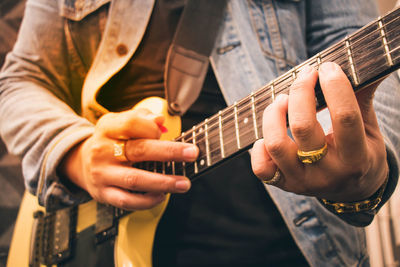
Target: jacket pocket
78,9
265,23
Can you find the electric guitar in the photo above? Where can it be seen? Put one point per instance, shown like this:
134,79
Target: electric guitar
54,238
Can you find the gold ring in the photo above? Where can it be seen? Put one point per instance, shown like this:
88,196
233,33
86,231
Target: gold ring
275,179
309,157
119,150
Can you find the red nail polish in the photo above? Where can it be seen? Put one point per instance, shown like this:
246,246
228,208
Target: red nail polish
163,128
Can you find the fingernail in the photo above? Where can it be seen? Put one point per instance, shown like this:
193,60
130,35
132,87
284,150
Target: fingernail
190,153
163,129
328,67
182,185
280,97
305,71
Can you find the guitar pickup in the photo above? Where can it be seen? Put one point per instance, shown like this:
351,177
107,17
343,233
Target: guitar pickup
52,233
106,226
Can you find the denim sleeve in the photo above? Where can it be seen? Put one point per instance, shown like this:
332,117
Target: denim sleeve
329,21
36,118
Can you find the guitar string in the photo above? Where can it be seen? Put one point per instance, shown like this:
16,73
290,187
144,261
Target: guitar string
329,57
340,63
228,120
225,118
379,49
189,165
243,111
244,138
228,141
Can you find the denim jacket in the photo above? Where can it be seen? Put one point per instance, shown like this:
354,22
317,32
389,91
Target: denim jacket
56,69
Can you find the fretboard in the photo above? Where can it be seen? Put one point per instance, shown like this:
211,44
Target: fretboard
365,56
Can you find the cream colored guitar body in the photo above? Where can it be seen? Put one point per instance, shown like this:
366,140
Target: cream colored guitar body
134,243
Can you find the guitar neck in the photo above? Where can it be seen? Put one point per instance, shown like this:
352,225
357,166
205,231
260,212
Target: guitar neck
365,56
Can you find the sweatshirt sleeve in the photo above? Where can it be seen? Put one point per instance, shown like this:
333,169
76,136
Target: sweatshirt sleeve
38,114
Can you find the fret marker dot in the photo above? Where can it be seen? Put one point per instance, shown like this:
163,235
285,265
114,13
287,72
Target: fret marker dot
202,162
246,120
200,130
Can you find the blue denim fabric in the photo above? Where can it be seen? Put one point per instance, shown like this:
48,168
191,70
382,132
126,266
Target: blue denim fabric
56,68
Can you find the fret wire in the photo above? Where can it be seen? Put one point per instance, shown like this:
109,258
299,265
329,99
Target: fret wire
353,45
236,126
194,142
368,70
318,61
227,141
273,91
384,41
353,71
363,37
386,24
367,55
163,167
285,84
229,120
319,57
221,139
183,163
283,79
173,167
213,117
226,110
375,45
207,143
294,74
253,111
233,139
332,50
366,42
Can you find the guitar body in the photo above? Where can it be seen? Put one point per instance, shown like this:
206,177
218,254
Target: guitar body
133,245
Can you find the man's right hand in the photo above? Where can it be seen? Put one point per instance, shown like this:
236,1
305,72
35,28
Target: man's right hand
92,165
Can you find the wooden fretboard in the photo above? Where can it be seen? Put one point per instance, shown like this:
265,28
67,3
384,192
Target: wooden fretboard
367,55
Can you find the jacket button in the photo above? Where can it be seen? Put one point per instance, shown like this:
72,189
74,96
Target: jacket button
122,50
